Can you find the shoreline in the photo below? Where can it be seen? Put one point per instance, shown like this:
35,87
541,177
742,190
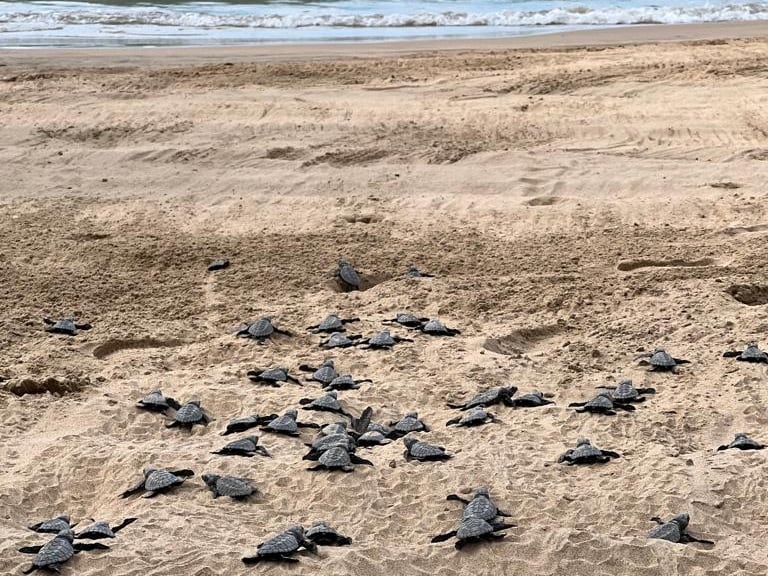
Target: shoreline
603,37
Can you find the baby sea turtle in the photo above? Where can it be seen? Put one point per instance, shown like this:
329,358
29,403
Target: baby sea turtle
247,422
586,453
66,326
424,452
338,438
324,373
660,361
742,442
156,401
54,525
260,330
54,553
437,328
601,404
373,438
407,319
347,276
282,546
750,354
189,415
328,402
498,395
102,529
218,265
674,530
247,446
338,458
272,376
321,533
383,341
339,340
345,382
530,400
480,506
232,486
475,417
332,323
473,530
157,480
410,422
287,424
626,393
414,272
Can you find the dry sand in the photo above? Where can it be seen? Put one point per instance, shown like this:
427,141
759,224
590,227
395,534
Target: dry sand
577,205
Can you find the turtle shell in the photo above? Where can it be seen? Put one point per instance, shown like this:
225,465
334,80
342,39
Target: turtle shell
585,451
284,543
190,413
407,319
422,450
326,443
242,445
242,424
625,392
753,354
661,359
233,487
434,327
744,442
154,400
97,530
480,507
336,340
600,402
409,424
160,480
343,382
64,326
669,531
274,374
325,373
326,402
262,328
376,427
53,526
284,423
534,397
382,339
330,323
56,551
348,274
372,438
476,416
473,528
336,457
490,396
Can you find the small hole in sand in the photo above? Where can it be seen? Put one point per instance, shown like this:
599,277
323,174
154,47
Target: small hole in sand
521,340
51,385
749,294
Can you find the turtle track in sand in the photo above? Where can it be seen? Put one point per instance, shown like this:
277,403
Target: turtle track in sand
630,265
102,351
522,339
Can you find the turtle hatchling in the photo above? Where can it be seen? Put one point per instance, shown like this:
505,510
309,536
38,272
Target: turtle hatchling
473,530
260,330
157,480
497,395
328,402
287,424
674,530
338,458
408,423
272,376
282,546
475,417
373,438
424,452
347,276
325,373
437,328
156,401
189,415
414,272
383,341
247,446
750,354
332,323
247,422
54,525
742,442
480,506
345,382
407,319
530,400
218,265
102,529
586,453
321,533
660,361
54,553
66,326
323,443
626,393
339,340
601,404
232,486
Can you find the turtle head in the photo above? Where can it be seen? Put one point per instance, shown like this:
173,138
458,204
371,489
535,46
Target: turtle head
66,533
149,469
681,520
194,403
254,439
482,491
319,523
210,479
583,442
333,394
409,441
411,415
741,436
297,531
292,413
328,362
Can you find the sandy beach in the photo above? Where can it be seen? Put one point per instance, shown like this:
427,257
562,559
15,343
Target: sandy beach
580,199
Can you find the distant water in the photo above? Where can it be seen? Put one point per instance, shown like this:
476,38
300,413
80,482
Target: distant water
126,23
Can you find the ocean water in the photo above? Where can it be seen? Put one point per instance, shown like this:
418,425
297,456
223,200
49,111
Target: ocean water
132,23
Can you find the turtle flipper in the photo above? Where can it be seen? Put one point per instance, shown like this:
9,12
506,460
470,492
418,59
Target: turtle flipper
457,498
723,447
646,390
263,451
305,401
453,422
171,424
183,473
576,404
502,513
123,524
84,326
251,559
307,368
29,570
30,549
611,454
138,487
681,361
348,320
293,380
425,428
456,406
360,425
357,460
625,407
658,520
731,354
686,538
497,526
443,537
82,546
307,425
